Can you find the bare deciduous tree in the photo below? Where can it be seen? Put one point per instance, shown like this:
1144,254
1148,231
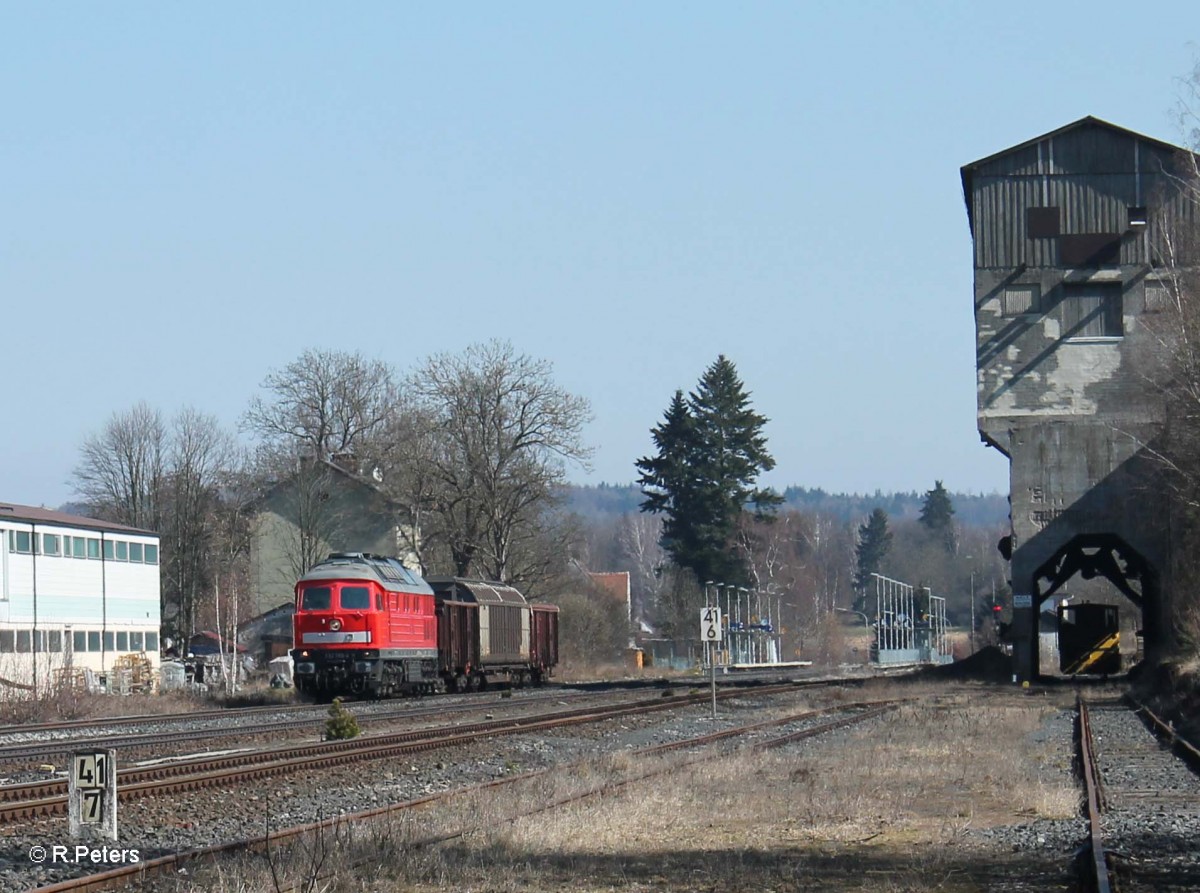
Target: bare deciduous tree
169,479
638,538
201,457
503,433
323,404
121,469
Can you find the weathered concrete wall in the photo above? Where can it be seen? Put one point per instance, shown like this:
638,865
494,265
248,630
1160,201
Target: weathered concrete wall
1065,361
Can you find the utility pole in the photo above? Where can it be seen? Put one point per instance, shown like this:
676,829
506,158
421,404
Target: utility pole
972,635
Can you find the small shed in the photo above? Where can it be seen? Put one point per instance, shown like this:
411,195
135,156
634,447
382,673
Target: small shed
207,643
269,635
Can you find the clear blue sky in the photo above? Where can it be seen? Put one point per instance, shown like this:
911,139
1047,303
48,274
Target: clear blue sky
193,194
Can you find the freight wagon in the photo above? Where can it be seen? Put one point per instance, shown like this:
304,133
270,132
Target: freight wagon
489,630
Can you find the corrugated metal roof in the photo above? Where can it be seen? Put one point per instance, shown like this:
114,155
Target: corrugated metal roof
1022,157
31,514
483,592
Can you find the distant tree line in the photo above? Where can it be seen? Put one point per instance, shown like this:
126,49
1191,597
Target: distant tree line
605,501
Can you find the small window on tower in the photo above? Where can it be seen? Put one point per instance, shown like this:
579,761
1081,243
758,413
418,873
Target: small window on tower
1158,296
1091,310
1090,250
1019,300
1043,223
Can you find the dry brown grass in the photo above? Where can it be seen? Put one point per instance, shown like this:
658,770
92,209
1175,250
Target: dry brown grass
884,807
17,708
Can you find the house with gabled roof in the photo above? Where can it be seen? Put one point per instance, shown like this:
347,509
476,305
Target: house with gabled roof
321,507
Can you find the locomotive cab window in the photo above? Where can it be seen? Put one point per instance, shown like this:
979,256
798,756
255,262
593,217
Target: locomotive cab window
316,598
355,598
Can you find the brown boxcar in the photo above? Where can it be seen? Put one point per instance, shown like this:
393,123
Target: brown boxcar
488,629
543,656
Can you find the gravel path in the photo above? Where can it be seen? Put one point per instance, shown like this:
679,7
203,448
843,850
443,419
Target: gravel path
1152,819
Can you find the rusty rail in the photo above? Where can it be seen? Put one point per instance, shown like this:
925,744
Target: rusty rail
43,799
1095,799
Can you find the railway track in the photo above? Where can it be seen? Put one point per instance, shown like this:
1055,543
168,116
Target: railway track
1143,803
172,864
46,751
62,732
37,800
311,716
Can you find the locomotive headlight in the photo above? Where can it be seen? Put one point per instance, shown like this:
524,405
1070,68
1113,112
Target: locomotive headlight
335,625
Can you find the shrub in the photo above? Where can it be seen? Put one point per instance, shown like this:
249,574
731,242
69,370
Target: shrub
341,723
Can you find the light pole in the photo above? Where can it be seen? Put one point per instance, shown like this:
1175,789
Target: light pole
972,558
744,621
972,610
866,623
866,620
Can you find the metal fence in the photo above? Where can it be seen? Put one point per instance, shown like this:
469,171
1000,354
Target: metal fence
910,627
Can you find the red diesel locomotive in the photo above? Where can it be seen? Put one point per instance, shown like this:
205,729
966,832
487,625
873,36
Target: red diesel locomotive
366,625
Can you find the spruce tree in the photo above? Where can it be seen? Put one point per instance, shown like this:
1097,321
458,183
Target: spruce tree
711,450
669,480
874,541
937,516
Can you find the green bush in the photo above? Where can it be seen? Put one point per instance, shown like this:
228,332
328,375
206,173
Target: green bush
341,723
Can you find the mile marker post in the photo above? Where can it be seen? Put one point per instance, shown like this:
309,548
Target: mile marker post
92,795
712,633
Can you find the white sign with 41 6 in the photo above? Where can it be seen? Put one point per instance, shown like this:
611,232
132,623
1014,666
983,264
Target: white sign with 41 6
711,629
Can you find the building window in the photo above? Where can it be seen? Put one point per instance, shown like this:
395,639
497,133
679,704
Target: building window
79,641
54,640
1020,299
151,554
108,550
135,552
93,548
19,541
1091,310
135,642
1043,223
122,641
151,641
79,547
122,548
51,544
93,637
1158,297
24,641
8,641
1090,250
109,643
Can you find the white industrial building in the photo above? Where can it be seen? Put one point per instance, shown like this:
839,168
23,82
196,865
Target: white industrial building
75,594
